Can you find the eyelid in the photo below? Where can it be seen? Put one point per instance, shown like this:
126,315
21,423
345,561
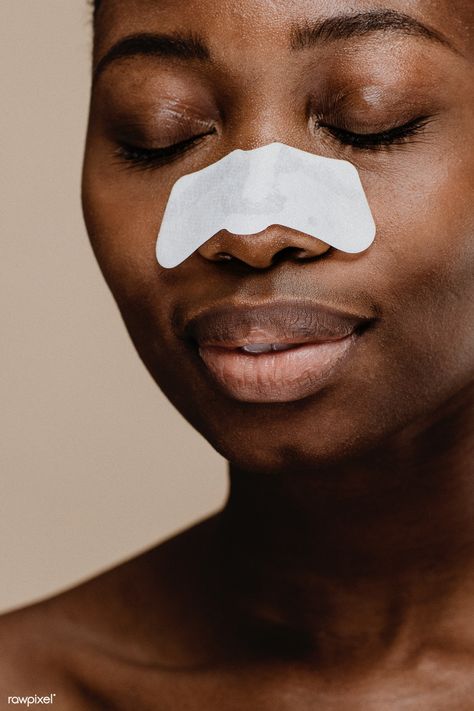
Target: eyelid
394,135
146,157
158,128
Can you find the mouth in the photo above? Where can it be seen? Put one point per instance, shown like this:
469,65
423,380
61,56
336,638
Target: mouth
274,353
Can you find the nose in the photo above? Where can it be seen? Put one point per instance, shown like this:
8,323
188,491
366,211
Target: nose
264,249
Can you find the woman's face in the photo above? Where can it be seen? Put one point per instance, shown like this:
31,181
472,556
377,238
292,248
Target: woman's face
395,321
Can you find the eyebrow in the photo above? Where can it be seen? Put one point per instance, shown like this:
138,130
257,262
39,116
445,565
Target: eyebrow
176,46
363,23
193,47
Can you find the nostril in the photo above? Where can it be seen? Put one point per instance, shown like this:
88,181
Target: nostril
264,249
293,253
224,256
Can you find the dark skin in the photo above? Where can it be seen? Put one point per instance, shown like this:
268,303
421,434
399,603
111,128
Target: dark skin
340,574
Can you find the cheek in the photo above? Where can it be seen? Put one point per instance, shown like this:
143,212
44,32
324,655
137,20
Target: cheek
430,230
425,266
122,216
123,221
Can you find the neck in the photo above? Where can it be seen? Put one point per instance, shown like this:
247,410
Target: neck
366,559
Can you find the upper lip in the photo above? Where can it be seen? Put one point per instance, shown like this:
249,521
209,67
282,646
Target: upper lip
284,322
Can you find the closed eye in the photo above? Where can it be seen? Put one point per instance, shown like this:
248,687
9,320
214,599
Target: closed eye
144,157
371,141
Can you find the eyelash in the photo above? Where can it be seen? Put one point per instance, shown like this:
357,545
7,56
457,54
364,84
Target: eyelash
154,157
149,158
397,135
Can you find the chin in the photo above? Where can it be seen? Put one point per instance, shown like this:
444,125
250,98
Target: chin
278,438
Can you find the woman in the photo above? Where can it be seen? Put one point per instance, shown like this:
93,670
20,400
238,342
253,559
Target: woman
340,573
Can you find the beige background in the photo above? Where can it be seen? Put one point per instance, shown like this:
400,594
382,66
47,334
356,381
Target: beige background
95,464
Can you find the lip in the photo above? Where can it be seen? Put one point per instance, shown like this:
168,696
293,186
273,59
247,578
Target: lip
318,339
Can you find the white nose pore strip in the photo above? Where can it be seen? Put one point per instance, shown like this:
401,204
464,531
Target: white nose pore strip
247,191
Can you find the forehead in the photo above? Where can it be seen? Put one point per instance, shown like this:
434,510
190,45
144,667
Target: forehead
246,22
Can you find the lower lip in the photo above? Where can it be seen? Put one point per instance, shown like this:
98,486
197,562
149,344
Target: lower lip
283,376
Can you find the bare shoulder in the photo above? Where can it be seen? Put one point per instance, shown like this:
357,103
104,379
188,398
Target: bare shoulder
107,625
33,656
